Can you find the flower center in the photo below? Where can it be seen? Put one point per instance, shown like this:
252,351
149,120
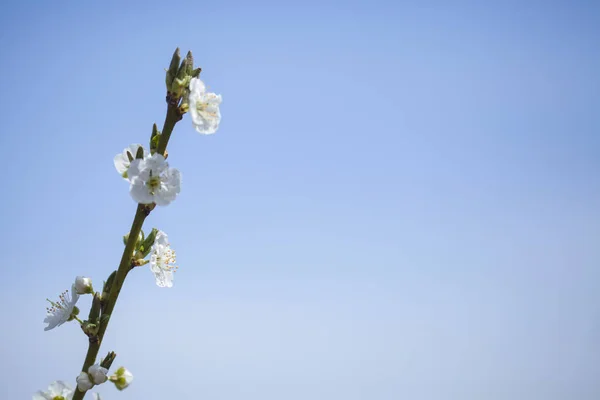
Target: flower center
58,398
202,108
153,184
166,259
63,300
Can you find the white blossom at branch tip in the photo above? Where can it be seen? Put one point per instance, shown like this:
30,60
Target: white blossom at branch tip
58,390
60,312
122,378
153,181
204,108
98,374
162,260
83,285
122,162
84,382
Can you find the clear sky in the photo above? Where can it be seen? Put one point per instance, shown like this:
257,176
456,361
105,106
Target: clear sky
402,201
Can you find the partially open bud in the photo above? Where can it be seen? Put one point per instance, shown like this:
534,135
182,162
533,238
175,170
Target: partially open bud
83,285
95,376
98,374
122,378
84,382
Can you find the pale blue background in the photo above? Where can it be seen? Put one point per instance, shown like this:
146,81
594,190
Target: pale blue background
402,201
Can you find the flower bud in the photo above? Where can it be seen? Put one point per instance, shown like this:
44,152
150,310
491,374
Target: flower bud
98,374
122,378
74,313
84,383
83,285
173,67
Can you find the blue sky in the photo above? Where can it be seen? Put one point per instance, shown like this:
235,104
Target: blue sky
402,200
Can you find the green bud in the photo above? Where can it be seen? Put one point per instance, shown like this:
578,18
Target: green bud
104,318
147,245
95,309
140,237
107,361
154,139
189,65
196,72
179,85
184,107
75,311
138,262
90,329
154,143
138,259
140,153
173,67
129,156
183,76
108,284
183,68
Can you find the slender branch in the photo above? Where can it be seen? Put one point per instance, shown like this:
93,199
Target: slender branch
141,213
173,116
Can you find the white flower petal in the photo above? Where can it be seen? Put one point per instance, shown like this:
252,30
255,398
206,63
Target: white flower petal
204,108
162,277
59,387
162,261
157,163
197,86
55,389
135,169
39,395
61,310
139,191
122,162
161,238
127,375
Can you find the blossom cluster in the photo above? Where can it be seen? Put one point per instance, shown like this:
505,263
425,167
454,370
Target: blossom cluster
152,182
95,375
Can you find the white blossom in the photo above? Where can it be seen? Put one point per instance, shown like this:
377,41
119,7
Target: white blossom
84,382
122,378
96,396
153,181
204,108
61,311
122,162
83,285
58,390
162,260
